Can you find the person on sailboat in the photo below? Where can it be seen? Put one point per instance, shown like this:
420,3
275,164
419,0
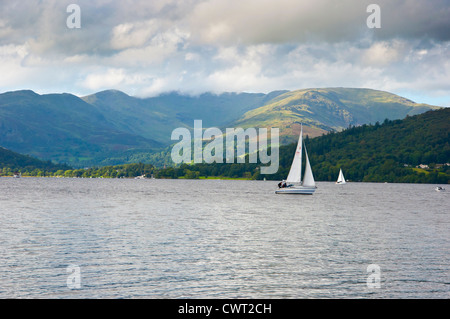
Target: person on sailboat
282,184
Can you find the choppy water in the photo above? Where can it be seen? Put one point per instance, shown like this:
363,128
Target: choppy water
221,239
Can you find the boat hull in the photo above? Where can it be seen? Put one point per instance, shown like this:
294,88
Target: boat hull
296,190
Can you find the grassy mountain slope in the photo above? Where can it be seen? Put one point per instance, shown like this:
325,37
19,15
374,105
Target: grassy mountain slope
61,127
157,117
329,109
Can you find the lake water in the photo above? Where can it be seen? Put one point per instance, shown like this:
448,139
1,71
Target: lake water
221,239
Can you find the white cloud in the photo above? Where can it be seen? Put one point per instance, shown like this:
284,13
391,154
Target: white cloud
113,78
135,35
110,78
383,53
155,48
191,56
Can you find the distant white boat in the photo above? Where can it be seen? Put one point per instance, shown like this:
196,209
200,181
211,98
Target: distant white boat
17,175
294,184
341,179
439,189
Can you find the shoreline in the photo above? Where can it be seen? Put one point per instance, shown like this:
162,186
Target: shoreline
218,178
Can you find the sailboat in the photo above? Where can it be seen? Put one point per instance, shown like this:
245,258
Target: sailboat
341,179
294,184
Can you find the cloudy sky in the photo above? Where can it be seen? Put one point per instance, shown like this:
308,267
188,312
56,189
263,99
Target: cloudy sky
146,47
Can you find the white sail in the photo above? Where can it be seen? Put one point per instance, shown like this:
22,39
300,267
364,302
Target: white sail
308,187
341,179
295,173
308,180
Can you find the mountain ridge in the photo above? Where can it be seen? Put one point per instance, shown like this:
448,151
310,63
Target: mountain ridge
111,127
327,109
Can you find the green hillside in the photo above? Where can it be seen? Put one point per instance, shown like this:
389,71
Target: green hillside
111,127
329,109
63,128
387,152
156,117
11,162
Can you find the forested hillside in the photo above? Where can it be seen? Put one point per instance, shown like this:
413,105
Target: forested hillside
387,152
11,162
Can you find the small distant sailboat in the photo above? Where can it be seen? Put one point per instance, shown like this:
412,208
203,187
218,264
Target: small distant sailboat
293,184
341,179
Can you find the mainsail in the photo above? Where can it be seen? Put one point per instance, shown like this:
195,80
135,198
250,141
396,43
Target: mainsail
341,179
295,173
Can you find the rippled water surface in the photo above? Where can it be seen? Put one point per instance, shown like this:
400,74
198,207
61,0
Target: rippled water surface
221,239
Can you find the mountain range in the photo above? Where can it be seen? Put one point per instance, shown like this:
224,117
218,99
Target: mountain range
111,127
393,151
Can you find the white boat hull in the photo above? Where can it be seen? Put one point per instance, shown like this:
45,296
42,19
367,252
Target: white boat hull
296,190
